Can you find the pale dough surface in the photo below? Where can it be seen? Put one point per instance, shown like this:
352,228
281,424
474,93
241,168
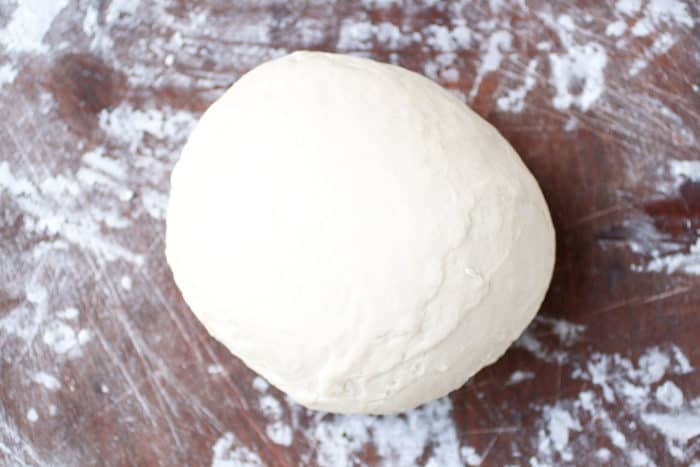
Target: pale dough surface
355,234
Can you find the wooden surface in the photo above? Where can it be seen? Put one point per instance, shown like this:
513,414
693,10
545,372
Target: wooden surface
103,364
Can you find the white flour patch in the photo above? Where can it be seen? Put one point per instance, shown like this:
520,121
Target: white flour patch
616,28
29,24
260,385
227,454
215,369
118,8
554,437
356,36
63,339
491,58
278,431
527,341
129,125
661,254
518,376
567,332
660,46
7,74
69,313
637,65
624,397
603,454
380,3
470,456
658,12
669,395
444,39
126,282
577,73
56,207
24,321
687,262
90,20
628,7
577,76
155,203
50,382
514,100
677,428
32,415
401,440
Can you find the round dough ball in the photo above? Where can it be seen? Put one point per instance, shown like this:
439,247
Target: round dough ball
356,234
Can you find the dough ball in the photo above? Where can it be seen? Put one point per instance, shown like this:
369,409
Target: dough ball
355,234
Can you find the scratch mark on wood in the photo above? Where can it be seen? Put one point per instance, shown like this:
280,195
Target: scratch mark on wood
642,300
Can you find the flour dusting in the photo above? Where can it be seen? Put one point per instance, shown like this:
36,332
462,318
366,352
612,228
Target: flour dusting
661,254
32,415
492,56
84,207
7,74
215,369
227,453
620,401
518,376
47,380
399,440
29,24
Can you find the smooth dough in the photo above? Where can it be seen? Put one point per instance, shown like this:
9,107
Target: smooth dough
356,234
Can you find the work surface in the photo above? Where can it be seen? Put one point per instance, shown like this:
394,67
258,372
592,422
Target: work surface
102,363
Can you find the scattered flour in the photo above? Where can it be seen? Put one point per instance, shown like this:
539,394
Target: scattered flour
581,65
32,416
126,282
126,179
63,339
227,454
518,376
658,12
492,56
128,125
399,440
677,428
48,381
7,74
620,402
616,28
470,456
69,313
215,369
29,24
514,99
260,384
277,430
120,7
279,433
628,7
661,255
688,263
669,395
55,207
567,332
